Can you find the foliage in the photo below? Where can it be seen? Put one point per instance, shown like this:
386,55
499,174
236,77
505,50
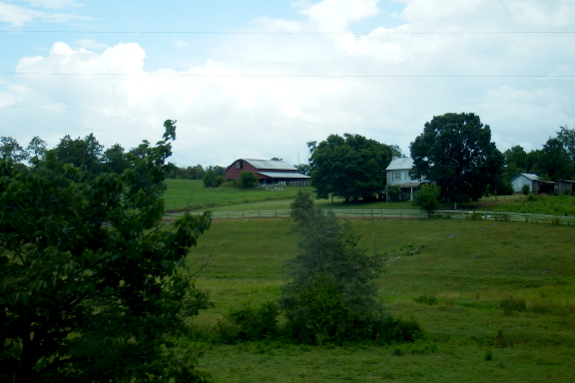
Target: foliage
554,161
455,152
11,149
83,154
393,192
251,323
351,167
567,137
303,169
212,180
90,287
331,295
428,197
247,180
525,189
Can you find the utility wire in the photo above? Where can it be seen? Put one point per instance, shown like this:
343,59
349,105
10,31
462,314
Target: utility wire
295,33
284,76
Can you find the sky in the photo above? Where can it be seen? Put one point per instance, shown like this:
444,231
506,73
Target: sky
261,79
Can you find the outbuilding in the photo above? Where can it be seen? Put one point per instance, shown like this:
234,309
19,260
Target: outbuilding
276,172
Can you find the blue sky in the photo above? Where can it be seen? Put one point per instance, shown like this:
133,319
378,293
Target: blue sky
256,86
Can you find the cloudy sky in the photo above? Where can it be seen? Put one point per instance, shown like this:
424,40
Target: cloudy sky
260,78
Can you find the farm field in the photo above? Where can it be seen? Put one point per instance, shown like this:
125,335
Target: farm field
192,195
496,299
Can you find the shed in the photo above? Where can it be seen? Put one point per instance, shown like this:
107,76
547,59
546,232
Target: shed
268,172
529,179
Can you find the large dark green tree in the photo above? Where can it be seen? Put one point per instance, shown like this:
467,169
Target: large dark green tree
91,286
351,167
455,152
554,161
567,137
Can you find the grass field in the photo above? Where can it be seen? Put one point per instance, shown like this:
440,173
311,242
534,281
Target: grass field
451,276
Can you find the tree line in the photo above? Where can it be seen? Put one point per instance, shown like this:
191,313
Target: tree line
454,152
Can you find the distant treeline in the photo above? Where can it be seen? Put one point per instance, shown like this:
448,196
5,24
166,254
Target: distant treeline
90,156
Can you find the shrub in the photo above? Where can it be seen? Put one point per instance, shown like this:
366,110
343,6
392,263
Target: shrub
248,180
254,322
428,197
212,180
398,330
525,189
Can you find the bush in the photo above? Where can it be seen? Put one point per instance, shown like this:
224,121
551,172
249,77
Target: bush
525,189
428,197
248,180
251,323
212,180
398,330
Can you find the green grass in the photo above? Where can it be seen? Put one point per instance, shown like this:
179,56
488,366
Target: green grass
552,205
470,267
192,195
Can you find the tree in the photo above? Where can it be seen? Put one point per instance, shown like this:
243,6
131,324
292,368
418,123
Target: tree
84,154
331,295
515,162
247,180
554,161
36,148
11,149
567,137
114,159
351,167
212,180
456,153
428,197
91,287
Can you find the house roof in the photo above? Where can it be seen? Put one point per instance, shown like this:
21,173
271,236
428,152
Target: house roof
529,176
402,163
284,175
268,164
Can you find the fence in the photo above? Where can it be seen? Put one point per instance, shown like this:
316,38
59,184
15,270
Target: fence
401,213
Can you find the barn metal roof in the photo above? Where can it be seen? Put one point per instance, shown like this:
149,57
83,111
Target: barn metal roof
284,175
402,163
268,164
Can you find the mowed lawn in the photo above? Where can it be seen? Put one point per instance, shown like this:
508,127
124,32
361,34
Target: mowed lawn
450,275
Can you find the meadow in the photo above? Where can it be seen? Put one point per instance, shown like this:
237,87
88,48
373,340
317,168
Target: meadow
465,282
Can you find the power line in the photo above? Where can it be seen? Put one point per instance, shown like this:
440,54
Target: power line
282,76
295,33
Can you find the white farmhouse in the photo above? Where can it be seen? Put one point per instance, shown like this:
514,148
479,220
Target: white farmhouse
397,174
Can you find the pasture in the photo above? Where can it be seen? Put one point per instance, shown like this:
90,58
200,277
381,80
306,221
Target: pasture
496,299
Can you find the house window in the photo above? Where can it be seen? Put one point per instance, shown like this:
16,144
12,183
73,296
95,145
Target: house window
239,165
396,176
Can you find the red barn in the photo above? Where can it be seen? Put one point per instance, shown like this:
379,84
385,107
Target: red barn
268,172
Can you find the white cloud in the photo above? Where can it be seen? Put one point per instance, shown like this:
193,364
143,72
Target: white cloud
91,44
180,44
18,16
221,118
53,4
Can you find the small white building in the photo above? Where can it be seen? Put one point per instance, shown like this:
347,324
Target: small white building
397,174
529,179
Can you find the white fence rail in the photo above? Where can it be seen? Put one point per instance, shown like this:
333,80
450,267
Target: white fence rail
401,213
